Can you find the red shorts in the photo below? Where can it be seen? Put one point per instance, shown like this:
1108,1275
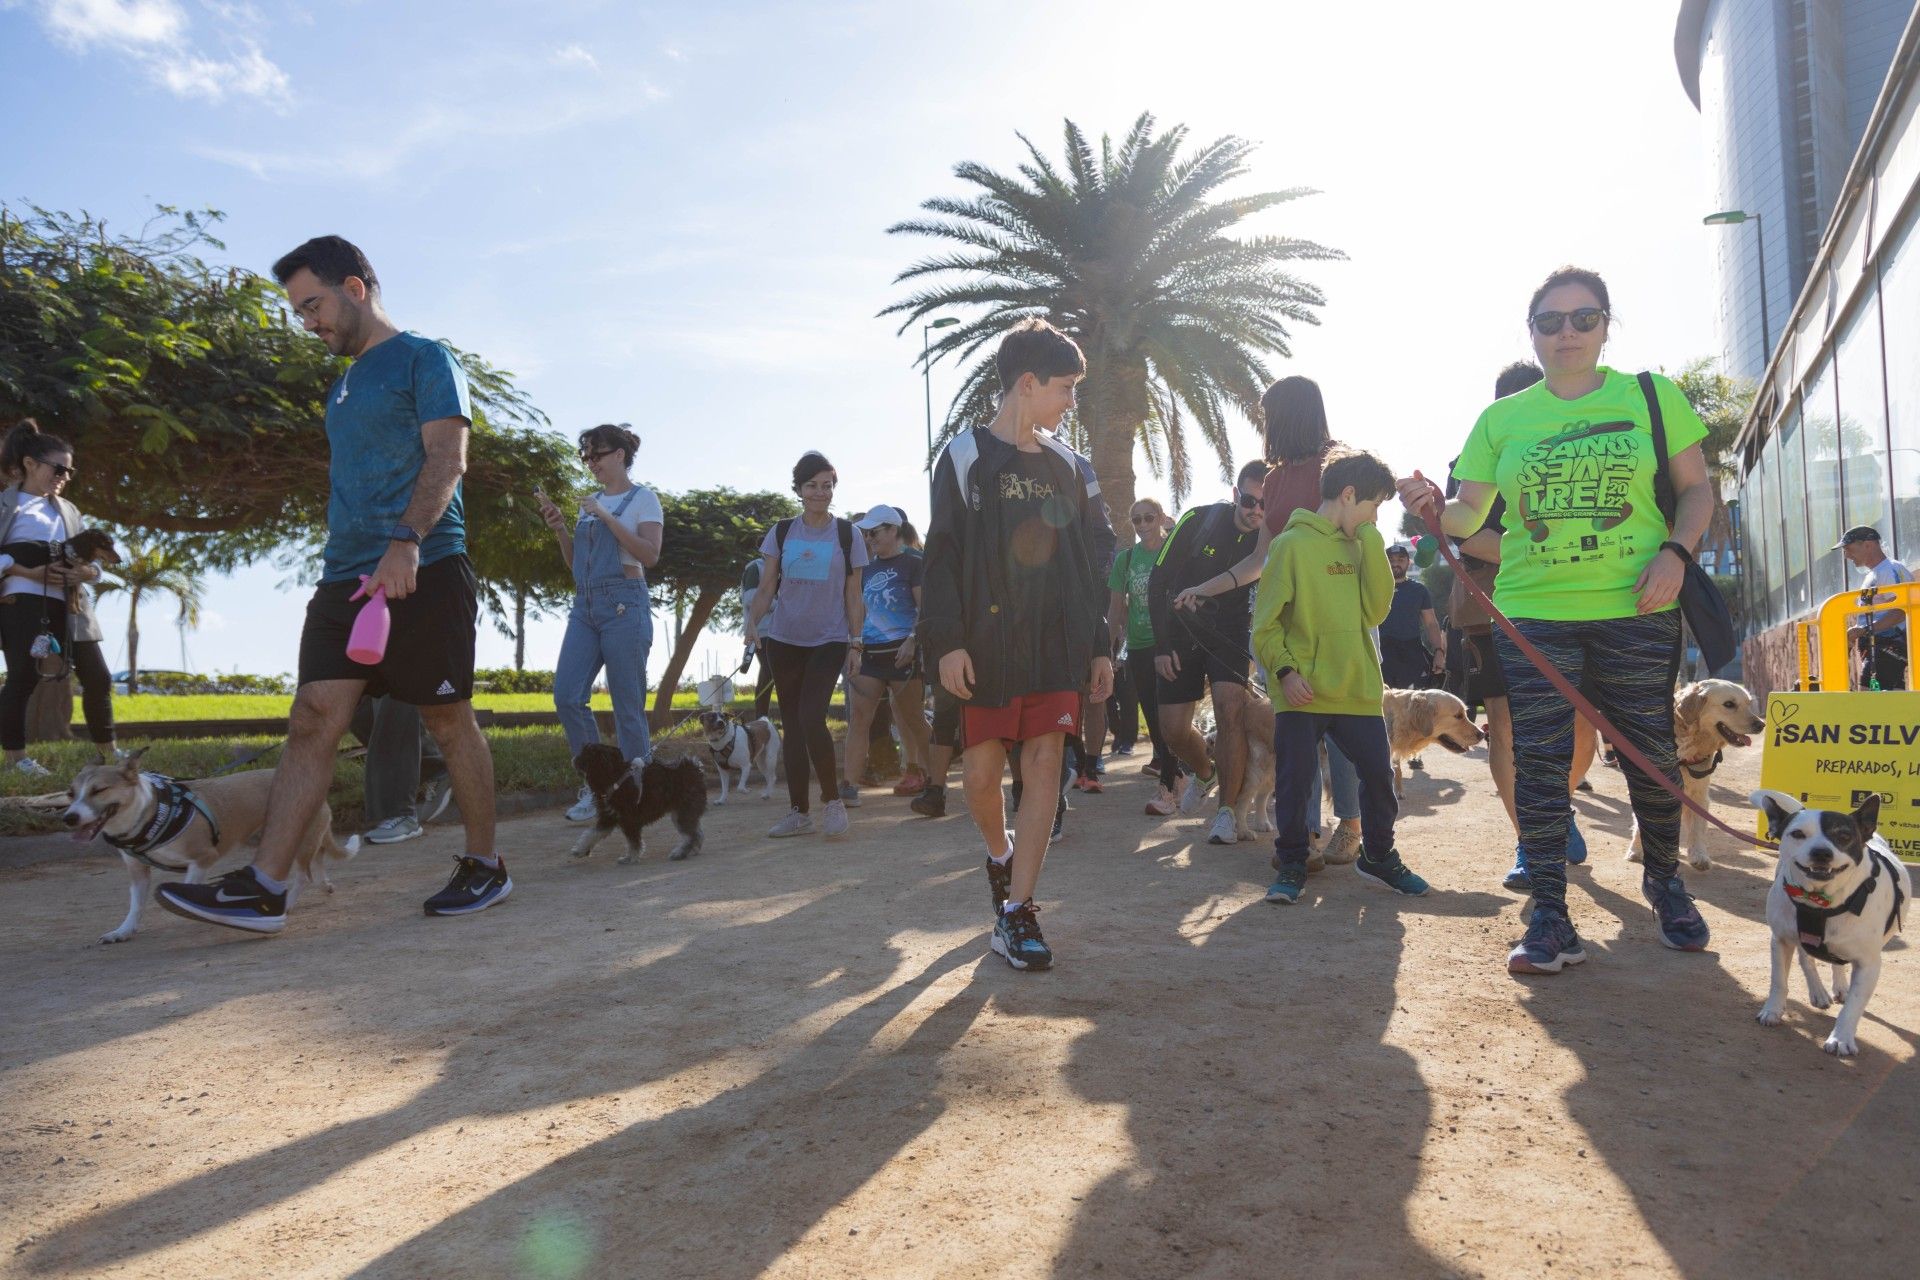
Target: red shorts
1033,715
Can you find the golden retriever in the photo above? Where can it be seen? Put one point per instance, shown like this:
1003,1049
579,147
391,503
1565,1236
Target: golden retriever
1708,717
1418,718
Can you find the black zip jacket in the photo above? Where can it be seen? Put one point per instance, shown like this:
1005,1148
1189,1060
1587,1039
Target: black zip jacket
1205,544
963,587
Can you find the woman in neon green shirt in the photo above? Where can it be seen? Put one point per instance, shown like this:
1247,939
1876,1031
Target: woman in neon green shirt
1590,574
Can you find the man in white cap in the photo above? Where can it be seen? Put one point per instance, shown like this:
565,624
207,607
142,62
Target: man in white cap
1882,636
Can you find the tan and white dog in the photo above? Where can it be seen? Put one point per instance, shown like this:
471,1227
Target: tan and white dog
739,746
1839,895
1419,718
158,824
1708,717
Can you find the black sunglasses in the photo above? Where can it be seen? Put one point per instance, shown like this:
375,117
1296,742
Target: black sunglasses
59,469
591,458
1585,320
1249,502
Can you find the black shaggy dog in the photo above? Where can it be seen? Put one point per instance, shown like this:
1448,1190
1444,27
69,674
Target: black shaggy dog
678,790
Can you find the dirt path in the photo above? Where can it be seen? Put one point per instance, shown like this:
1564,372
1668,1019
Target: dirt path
799,1059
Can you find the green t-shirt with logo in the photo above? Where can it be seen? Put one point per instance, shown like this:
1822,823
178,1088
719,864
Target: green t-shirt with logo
1578,479
1132,572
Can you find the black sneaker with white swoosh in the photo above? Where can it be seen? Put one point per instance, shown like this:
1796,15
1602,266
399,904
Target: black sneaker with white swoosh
475,886
237,900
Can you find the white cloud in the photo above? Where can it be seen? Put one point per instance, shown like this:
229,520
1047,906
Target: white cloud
575,55
155,34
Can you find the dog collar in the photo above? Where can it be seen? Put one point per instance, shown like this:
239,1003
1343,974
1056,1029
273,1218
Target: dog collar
1813,910
1693,766
174,805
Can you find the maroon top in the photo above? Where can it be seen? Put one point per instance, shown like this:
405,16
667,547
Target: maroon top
1288,487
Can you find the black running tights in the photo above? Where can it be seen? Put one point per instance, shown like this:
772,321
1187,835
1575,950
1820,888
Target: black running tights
804,677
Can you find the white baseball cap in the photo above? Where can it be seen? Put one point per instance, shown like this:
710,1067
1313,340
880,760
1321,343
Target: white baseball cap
880,515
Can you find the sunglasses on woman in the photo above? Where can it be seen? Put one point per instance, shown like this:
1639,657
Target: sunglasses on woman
1145,518
1585,320
591,458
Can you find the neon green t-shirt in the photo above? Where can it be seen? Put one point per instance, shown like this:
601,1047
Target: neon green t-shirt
1132,570
1578,479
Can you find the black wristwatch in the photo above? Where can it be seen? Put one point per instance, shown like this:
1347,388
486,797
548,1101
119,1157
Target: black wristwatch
403,533
1281,673
1686,557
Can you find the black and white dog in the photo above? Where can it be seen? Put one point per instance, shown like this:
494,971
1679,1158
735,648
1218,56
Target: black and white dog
1840,896
677,790
740,747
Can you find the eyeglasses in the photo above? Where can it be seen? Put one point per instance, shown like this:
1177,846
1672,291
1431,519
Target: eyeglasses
1585,320
1148,518
1253,502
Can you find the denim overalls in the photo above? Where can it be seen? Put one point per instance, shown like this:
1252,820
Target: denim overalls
610,625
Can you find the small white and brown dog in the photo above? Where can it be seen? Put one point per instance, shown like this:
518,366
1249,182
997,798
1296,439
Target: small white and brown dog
1419,718
1708,717
158,823
1840,896
741,746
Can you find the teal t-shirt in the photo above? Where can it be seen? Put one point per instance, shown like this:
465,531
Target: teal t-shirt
1132,571
374,415
1581,523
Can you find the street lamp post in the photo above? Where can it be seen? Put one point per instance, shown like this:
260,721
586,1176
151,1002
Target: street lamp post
926,373
1733,217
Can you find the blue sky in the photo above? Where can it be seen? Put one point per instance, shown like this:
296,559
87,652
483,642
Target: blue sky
674,215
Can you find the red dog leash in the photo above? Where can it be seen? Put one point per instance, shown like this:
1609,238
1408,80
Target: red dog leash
1570,693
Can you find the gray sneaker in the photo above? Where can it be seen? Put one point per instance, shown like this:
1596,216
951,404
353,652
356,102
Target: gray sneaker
394,830
796,823
1196,791
850,797
435,798
584,810
31,768
834,821
1225,829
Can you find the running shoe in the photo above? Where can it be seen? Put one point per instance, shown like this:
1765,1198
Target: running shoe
834,822
1225,828
1576,843
1343,846
584,809
435,798
475,886
1016,935
1550,944
795,823
1000,878
31,768
1164,805
237,900
1089,784
849,796
1122,750
396,829
1196,791
1391,874
1518,880
1680,924
1288,884
931,803
911,783
1585,784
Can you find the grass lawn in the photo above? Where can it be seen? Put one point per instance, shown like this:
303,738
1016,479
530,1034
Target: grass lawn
143,707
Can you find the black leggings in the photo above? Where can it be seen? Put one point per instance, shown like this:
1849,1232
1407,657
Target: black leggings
20,622
804,677
1146,683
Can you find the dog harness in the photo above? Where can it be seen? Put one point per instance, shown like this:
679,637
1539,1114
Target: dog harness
1812,912
173,809
724,751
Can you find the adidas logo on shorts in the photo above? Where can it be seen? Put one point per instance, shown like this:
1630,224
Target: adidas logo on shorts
1066,721
446,687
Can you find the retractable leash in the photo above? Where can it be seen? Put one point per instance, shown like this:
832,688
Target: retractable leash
1570,693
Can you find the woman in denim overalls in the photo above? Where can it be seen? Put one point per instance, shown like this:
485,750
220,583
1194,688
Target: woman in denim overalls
610,625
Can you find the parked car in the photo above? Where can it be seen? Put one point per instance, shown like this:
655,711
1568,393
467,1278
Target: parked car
120,677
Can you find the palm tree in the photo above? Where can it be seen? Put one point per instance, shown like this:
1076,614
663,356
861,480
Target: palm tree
1126,251
148,570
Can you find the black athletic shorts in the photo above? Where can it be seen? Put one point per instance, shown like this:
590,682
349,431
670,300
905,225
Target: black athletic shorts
1474,673
429,658
883,663
1223,661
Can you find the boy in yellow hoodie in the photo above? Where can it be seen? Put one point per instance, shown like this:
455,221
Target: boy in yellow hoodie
1325,586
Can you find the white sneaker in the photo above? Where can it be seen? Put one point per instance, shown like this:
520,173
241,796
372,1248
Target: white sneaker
1225,829
795,823
584,810
31,767
1196,791
394,830
834,822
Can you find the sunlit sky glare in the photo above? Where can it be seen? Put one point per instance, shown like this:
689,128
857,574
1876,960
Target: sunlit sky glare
675,215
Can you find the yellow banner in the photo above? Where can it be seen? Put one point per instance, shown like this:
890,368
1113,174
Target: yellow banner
1833,750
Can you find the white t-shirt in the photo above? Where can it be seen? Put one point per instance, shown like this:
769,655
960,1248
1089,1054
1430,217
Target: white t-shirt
35,520
1885,574
644,508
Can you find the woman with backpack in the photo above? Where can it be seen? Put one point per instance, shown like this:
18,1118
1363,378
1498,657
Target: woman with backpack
807,618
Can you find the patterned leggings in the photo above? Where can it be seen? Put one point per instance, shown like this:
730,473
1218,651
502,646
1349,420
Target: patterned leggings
1626,666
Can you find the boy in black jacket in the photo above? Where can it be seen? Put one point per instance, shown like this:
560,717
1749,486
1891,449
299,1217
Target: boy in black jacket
1014,610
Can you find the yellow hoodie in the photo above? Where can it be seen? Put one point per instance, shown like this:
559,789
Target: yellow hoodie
1321,594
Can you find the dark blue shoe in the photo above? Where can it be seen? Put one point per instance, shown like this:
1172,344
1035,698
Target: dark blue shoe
237,900
1550,945
1000,878
1391,874
1576,843
1016,935
1288,884
1680,924
475,886
1517,880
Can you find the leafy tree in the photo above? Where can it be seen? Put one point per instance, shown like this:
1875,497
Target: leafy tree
198,405
148,571
1126,250
1722,401
709,534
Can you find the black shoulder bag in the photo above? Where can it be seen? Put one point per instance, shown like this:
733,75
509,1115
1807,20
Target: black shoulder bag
1701,603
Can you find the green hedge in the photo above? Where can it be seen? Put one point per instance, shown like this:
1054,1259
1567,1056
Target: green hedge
507,680
175,683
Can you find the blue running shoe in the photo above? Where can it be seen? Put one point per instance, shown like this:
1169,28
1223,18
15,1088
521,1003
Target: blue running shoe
1392,874
475,886
1576,843
1680,924
1016,935
237,900
1550,945
1287,885
1517,880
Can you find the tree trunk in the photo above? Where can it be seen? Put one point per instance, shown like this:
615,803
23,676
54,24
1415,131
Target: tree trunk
1114,408
688,635
520,630
133,642
50,711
